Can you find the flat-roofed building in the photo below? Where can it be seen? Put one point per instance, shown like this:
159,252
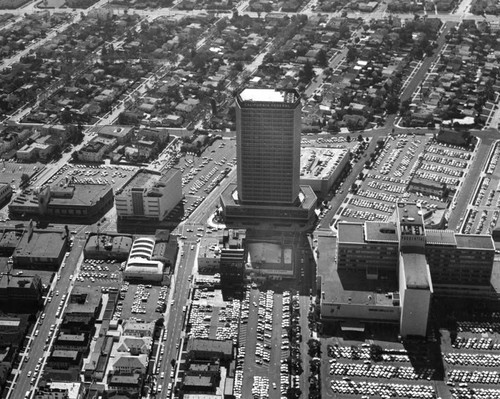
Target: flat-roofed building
41,149
137,329
96,149
375,272
199,384
268,259
12,329
82,311
81,201
320,168
149,195
359,244
5,192
130,384
210,349
122,134
20,292
460,264
209,255
40,249
64,359
79,342
59,390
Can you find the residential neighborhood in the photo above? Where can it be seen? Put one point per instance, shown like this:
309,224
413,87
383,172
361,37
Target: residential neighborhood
249,199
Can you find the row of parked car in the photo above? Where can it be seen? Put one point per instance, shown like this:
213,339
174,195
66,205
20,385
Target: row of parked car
384,390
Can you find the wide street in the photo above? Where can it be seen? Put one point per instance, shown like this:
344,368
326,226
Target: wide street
40,337
186,263
181,282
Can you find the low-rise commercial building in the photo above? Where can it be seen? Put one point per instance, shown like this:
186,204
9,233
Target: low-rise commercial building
320,168
141,264
42,149
149,195
40,249
81,201
96,149
209,349
5,192
127,384
137,329
59,390
82,311
268,259
122,134
20,292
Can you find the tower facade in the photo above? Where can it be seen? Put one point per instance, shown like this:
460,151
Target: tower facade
268,127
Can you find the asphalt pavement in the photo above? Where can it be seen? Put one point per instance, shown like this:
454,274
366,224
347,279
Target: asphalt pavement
36,348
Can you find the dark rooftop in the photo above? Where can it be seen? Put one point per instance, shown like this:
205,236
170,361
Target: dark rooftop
475,241
40,244
210,345
380,231
440,237
350,232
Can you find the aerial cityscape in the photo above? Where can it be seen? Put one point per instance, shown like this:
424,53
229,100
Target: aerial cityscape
249,199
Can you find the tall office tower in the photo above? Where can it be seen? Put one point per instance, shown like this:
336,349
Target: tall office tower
268,193
268,127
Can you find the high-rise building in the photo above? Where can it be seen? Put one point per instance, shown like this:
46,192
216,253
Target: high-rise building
268,128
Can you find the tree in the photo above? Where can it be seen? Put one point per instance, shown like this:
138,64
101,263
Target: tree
199,61
24,179
321,58
360,138
306,73
159,322
352,54
348,139
392,104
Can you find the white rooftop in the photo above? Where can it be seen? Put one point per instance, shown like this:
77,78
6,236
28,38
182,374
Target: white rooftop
266,95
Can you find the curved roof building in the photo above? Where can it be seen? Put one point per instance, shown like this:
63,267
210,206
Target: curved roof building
140,264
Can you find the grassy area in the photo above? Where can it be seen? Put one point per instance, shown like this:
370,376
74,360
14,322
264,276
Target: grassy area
51,3
12,4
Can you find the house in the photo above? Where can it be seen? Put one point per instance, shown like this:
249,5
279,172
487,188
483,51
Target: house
128,365
134,346
136,329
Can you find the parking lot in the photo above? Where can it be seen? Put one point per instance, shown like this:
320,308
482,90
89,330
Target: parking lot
268,339
392,176
482,215
103,273
141,302
200,175
463,364
114,175
211,317
472,358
